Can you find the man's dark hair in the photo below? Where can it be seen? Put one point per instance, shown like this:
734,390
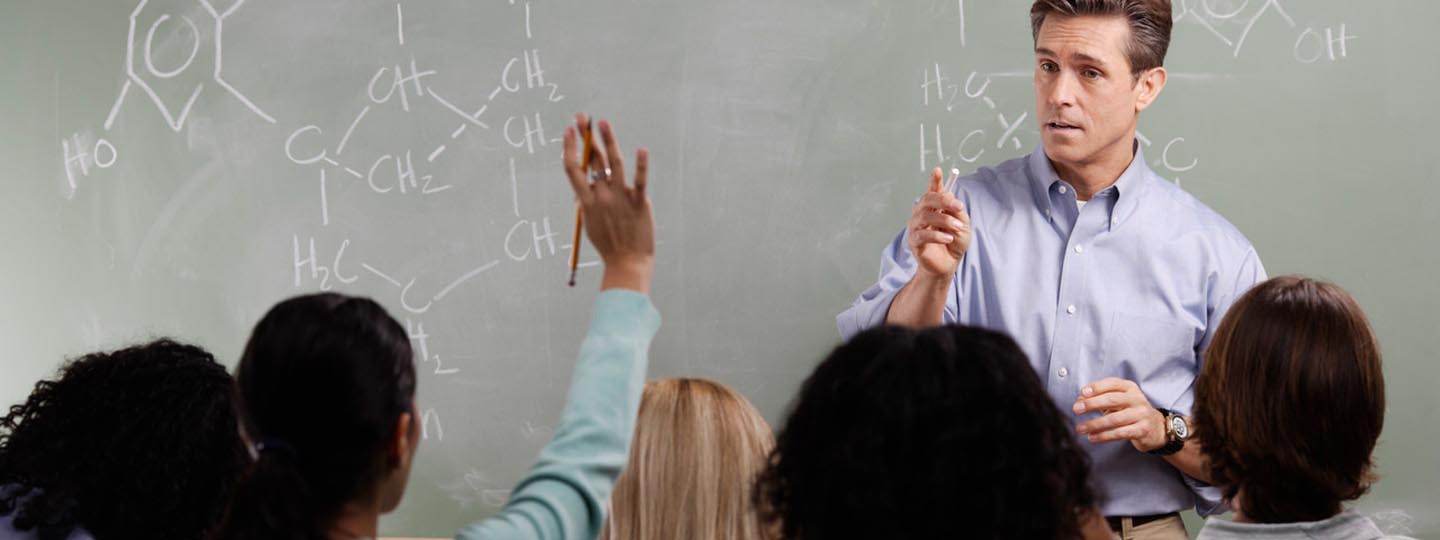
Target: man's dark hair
1291,400
1149,21
936,433
322,381
138,443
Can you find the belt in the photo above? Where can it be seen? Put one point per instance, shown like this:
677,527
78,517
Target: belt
1136,521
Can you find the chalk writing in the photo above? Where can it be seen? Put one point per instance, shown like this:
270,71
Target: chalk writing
1220,17
320,273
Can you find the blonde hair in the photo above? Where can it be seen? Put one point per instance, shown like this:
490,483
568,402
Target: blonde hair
697,450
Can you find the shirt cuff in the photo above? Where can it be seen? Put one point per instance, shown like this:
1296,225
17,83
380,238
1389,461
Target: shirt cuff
865,314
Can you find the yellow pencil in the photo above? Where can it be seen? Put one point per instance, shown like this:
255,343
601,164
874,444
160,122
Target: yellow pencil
584,169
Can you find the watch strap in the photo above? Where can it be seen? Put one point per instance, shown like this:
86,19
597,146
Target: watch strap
1172,444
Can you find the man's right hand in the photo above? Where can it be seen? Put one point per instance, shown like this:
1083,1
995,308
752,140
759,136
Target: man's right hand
939,231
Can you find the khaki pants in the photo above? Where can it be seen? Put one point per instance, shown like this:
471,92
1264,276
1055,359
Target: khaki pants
1171,528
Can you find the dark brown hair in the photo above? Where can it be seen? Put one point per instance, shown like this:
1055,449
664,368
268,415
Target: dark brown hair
1149,20
1291,401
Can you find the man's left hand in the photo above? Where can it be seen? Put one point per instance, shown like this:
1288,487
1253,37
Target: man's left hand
1127,415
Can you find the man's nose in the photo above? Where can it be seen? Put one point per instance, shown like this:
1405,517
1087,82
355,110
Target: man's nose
1062,91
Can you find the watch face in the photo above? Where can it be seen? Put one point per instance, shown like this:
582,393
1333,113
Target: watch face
1177,425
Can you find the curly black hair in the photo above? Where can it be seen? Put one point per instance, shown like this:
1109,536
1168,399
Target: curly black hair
938,433
135,443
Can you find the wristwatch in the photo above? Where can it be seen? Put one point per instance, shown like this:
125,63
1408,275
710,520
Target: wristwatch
1176,431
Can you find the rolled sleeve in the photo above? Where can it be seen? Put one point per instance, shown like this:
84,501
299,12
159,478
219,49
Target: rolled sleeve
897,266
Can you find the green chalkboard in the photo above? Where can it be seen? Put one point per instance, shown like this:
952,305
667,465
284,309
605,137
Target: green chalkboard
174,167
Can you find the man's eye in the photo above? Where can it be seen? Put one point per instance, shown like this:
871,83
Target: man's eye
1092,74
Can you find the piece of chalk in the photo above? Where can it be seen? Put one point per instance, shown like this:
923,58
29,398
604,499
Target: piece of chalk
954,176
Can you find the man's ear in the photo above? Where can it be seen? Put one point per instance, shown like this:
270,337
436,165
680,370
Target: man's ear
401,447
1148,87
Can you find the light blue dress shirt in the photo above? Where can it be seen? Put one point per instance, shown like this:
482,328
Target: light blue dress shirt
1131,285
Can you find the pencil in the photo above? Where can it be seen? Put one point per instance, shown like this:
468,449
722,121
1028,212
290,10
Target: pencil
584,169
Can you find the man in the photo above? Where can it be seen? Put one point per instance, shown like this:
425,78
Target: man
1111,278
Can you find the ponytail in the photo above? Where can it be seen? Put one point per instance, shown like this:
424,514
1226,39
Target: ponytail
272,501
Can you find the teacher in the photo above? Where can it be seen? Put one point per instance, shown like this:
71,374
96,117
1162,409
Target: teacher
1111,278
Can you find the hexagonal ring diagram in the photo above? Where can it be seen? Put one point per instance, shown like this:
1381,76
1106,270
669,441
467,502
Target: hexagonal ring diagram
140,76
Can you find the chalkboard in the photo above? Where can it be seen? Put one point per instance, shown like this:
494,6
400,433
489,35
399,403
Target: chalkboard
175,167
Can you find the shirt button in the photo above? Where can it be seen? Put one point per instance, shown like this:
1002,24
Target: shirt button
1071,310
1114,221
1064,373
1079,249
1064,190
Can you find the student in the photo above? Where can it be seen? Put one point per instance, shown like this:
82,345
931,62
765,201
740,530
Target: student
137,443
327,388
698,447
937,433
1111,278
1288,409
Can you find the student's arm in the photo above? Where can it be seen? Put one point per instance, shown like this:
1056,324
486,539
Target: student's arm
563,497
917,269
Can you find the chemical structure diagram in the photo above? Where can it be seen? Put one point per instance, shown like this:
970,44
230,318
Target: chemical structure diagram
326,154
408,86
172,98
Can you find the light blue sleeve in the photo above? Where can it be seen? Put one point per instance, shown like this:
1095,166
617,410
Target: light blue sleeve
564,495
1224,294
1208,499
897,266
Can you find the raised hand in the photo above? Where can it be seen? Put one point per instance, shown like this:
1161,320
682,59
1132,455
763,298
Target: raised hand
939,230
617,216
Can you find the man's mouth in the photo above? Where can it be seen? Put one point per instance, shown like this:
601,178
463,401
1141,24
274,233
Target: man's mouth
1061,126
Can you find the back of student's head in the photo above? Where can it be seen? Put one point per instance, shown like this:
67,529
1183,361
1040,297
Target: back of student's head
938,433
1291,400
135,443
322,383
697,448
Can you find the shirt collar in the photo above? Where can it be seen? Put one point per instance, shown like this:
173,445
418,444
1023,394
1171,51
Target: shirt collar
1128,187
